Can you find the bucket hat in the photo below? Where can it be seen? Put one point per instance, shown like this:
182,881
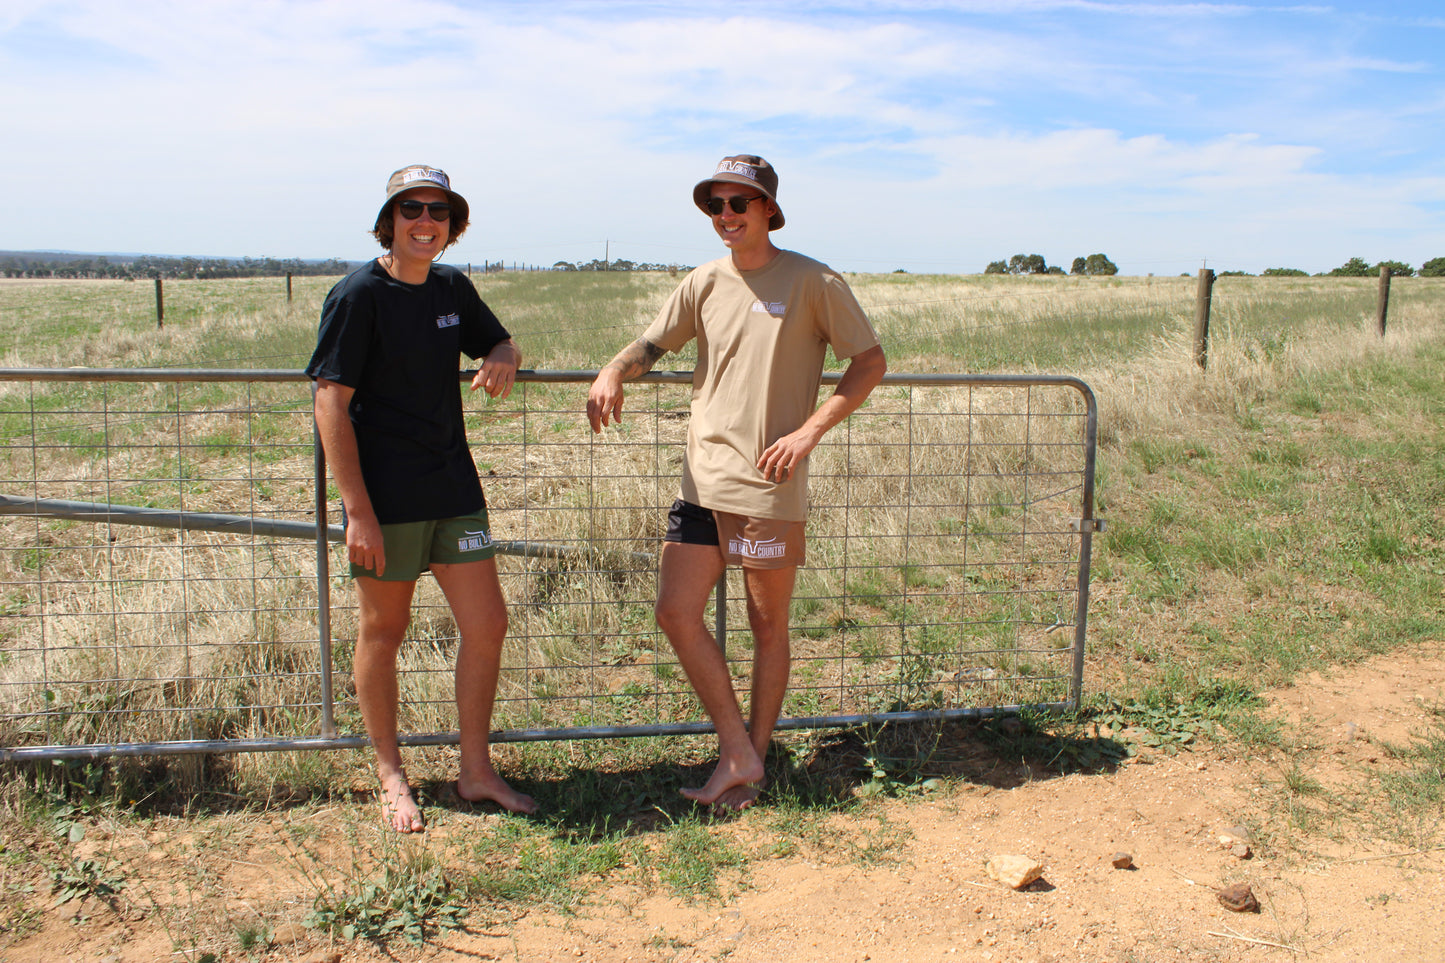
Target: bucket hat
420,175
747,169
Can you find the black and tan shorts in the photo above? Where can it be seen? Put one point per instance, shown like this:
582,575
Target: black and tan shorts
743,540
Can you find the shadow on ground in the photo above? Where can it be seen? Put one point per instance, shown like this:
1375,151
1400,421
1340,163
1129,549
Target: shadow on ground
828,769
615,787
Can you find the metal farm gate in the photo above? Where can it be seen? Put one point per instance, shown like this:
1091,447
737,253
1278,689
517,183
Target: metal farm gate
165,586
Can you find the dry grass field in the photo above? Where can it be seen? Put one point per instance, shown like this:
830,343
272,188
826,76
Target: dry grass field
1264,653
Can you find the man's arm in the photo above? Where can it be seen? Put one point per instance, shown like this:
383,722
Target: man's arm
338,441
604,400
499,369
862,375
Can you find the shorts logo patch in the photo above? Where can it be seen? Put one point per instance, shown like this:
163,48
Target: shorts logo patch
472,541
448,321
765,548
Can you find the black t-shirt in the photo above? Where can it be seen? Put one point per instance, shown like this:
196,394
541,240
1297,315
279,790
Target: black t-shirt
398,345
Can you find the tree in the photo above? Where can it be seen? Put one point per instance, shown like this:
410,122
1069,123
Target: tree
1027,264
996,267
1283,273
1433,268
1397,269
1355,267
1078,266
1099,264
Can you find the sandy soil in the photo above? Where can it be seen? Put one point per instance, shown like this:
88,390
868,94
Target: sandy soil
1330,888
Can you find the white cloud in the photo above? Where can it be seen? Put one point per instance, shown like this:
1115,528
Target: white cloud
237,128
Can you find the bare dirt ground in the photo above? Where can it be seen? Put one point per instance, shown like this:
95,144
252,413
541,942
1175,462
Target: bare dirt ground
911,885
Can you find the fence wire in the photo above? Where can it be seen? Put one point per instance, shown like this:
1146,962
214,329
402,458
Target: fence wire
164,586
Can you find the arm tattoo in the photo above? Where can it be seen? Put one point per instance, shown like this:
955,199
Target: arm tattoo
636,359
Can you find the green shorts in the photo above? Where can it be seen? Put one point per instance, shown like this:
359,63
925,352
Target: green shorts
411,547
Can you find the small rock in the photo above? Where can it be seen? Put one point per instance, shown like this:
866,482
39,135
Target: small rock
1238,898
1240,851
1234,834
1122,861
1014,871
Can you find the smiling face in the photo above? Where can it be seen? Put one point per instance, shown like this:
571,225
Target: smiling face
746,234
419,242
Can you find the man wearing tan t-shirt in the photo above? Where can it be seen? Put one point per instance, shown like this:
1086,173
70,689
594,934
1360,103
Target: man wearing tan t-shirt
763,319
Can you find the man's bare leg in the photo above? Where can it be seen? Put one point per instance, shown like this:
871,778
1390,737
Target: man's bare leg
475,596
384,611
686,576
770,596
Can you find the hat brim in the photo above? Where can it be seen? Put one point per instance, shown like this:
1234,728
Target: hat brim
702,193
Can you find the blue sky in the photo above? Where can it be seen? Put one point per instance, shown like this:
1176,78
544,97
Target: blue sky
928,136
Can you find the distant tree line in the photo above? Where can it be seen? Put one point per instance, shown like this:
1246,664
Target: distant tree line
1094,264
1355,267
620,264
148,266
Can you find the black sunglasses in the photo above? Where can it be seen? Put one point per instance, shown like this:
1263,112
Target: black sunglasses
738,203
411,210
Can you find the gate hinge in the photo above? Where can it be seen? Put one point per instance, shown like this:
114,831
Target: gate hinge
1086,524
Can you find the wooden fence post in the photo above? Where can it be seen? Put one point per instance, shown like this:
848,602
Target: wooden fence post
1202,297
288,287
160,305
1383,303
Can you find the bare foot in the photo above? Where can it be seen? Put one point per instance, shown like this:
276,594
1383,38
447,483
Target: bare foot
494,787
398,809
729,775
738,798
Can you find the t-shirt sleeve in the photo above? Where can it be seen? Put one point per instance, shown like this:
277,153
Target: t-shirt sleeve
481,331
676,324
841,320
348,320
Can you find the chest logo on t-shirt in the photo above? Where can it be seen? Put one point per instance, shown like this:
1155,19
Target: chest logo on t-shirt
775,308
448,321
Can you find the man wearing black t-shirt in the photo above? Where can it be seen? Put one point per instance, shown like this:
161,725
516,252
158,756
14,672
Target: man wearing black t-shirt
389,412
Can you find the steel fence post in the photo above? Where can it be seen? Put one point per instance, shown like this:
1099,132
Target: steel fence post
323,580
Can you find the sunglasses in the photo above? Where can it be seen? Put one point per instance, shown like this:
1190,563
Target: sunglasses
411,210
738,204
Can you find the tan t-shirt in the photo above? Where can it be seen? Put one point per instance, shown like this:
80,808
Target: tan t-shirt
761,339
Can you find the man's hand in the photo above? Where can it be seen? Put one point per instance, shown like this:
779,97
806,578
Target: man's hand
499,370
783,456
604,399
364,544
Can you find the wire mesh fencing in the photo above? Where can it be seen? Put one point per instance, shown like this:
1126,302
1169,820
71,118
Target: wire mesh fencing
165,586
